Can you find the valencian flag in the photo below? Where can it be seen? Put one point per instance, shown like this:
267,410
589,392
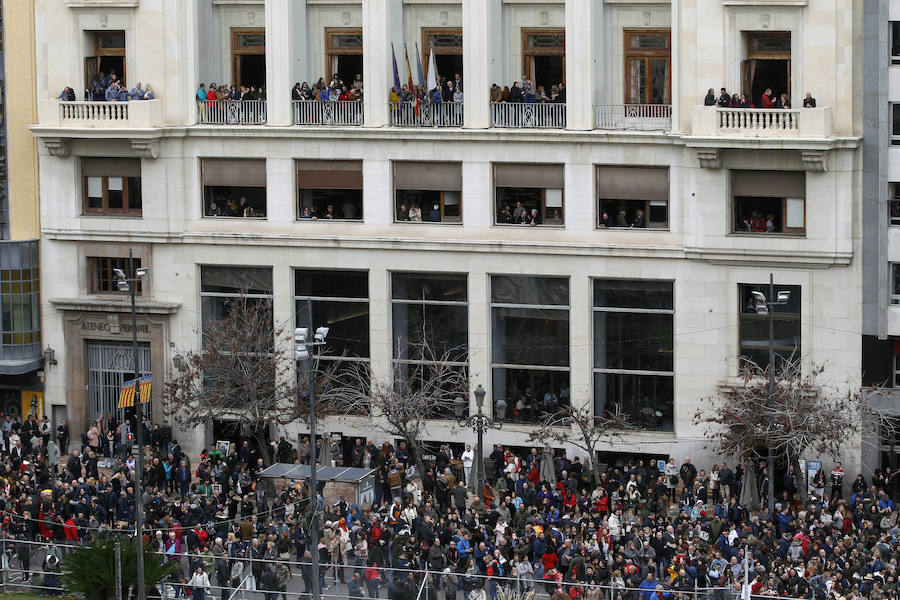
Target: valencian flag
126,395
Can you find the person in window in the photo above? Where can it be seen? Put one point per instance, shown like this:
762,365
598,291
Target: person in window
770,223
532,218
329,212
504,95
768,99
403,213
541,95
757,222
735,101
112,93
639,221
232,208
213,210
505,217
435,215
415,213
809,101
605,221
519,212
201,92
621,221
212,94
710,99
447,95
245,209
306,213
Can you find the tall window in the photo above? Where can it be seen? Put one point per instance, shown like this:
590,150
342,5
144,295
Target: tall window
234,187
648,66
428,192
633,197
544,57
529,194
754,326
769,201
248,55
103,277
329,190
20,306
894,203
447,45
112,186
529,346
895,283
219,285
896,380
895,42
634,357
344,50
895,124
430,309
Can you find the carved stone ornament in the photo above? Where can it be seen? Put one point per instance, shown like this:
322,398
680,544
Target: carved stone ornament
709,158
814,160
60,147
145,148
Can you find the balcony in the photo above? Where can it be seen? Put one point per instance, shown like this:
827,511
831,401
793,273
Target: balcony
339,113
522,115
633,117
801,123
132,114
231,112
443,114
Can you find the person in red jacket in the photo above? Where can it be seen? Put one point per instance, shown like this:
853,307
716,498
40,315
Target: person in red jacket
768,99
71,530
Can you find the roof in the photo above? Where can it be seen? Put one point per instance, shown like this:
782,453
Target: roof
340,474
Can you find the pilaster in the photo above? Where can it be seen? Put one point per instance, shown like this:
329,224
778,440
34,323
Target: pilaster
580,63
482,48
382,23
280,52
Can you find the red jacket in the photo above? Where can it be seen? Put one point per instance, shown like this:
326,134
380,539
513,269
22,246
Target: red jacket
768,101
71,530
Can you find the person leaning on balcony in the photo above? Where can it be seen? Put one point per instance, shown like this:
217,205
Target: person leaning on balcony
745,101
148,93
137,92
783,101
112,93
68,94
496,93
809,101
724,99
768,99
710,99
541,95
212,94
515,92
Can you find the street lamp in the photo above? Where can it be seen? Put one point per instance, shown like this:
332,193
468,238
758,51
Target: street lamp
129,284
302,346
764,306
480,423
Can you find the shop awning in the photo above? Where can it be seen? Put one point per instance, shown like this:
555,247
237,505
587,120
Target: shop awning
299,472
20,366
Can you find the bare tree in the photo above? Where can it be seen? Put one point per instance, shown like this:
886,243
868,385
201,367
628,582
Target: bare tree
590,430
402,405
242,375
809,412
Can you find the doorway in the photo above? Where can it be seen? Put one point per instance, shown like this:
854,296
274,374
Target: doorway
248,53
768,65
447,44
544,57
344,54
108,56
109,365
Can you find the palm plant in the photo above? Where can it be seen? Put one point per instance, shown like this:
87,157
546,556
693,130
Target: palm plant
90,571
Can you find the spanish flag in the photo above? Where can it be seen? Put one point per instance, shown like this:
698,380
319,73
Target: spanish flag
126,395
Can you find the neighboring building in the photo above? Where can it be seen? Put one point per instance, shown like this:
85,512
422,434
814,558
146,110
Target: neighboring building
21,354
651,317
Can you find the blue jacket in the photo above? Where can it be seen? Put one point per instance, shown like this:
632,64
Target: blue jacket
463,547
111,95
648,588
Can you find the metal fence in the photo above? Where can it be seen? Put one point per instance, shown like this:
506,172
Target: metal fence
520,114
232,112
440,114
338,113
634,117
229,582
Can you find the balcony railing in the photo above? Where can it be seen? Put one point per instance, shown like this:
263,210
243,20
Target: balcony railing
762,122
136,113
232,112
442,114
518,114
338,113
634,117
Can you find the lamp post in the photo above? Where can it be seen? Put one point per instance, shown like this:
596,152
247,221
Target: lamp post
129,284
302,347
480,423
764,305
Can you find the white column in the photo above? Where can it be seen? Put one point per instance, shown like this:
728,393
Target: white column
382,23
677,19
279,55
482,48
580,63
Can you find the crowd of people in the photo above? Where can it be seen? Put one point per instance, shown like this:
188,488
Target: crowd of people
541,522
768,99
106,87
525,91
233,92
334,91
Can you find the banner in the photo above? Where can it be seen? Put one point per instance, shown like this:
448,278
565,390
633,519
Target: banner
126,395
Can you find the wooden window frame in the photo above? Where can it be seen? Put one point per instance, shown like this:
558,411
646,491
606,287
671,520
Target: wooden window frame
98,52
543,208
439,50
331,53
238,52
95,267
767,55
785,230
646,55
529,53
444,219
646,209
105,210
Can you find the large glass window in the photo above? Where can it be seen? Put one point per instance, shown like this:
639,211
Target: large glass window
112,186
428,192
329,190
529,194
20,303
529,346
234,188
220,285
895,124
894,203
430,325
635,197
634,358
769,201
895,42
754,325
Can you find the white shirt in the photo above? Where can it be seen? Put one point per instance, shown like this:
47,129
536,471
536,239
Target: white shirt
468,457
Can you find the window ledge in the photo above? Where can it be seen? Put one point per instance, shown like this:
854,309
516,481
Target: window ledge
637,229
317,221
112,304
520,226
451,223
224,217
110,216
750,234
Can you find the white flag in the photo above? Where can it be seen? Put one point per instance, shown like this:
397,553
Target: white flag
432,73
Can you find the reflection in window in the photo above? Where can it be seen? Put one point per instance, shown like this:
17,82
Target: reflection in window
754,326
221,285
634,351
430,309
529,346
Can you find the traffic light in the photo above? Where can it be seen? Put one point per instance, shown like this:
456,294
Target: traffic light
301,335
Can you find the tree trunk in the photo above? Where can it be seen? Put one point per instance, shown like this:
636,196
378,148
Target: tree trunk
802,484
417,454
260,440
